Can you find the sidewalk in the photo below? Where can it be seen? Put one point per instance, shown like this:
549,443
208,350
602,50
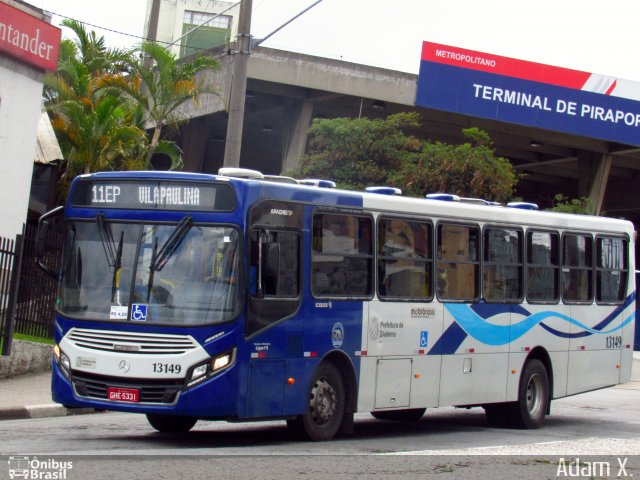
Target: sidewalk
29,396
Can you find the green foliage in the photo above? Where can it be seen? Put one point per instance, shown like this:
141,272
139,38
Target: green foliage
159,85
470,170
563,204
357,153
31,338
100,99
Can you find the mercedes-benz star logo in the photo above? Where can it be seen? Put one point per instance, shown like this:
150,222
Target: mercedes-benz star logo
124,366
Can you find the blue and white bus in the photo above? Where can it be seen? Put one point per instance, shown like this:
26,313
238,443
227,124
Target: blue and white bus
193,296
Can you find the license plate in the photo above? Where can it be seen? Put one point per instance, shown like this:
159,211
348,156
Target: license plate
123,394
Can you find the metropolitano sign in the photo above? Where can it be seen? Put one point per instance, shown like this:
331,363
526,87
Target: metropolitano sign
28,39
516,91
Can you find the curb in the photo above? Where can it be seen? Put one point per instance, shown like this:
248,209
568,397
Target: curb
41,411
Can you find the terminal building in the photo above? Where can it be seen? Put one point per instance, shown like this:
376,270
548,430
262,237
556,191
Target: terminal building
560,138
563,130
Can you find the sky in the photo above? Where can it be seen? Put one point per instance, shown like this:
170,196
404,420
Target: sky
585,35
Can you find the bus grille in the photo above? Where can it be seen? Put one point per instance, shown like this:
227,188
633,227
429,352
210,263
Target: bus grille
158,391
131,342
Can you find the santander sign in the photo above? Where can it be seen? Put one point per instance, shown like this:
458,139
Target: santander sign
28,39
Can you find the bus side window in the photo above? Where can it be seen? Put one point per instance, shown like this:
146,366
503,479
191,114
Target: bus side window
543,267
612,267
502,266
458,262
577,279
404,259
342,255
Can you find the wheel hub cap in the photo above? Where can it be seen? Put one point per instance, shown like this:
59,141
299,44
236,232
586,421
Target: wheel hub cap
322,402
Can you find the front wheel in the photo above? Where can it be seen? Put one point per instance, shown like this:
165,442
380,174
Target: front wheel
533,396
325,406
171,423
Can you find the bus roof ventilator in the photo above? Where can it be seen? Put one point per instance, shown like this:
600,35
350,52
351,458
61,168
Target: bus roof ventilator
256,175
384,190
449,197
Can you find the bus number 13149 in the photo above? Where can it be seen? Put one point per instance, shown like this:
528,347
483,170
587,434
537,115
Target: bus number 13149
614,342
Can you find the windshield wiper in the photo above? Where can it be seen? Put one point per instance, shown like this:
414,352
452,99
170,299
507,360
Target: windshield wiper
160,257
106,238
113,253
117,264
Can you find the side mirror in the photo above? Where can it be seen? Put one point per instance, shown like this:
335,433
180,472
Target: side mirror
41,238
44,227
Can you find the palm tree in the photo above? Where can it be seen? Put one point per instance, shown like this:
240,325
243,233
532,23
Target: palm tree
96,129
81,62
99,100
159,84
99,138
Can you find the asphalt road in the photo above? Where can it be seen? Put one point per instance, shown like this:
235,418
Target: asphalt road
601,426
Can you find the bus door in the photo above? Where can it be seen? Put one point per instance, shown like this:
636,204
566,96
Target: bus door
274,334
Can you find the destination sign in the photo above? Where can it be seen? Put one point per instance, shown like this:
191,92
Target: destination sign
154,195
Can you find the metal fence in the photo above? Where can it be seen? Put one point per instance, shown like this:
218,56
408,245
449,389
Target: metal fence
27,295
37,292
10,255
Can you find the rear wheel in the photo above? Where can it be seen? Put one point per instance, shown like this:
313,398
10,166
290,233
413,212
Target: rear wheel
406,415
530,409
325,406
533,396
171,423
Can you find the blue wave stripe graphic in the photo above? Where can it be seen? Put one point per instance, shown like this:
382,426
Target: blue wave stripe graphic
449,341
488,310
477,327
588,331
628,301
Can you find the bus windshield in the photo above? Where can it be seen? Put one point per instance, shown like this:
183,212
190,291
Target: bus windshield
179,274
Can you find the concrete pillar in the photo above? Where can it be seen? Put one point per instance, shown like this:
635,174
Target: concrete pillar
599,185
593,174
297,115
195,137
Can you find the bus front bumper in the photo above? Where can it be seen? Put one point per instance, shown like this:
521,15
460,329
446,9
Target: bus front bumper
212,398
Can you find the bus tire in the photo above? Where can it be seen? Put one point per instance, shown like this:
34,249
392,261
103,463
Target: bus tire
325,406
171,423
406,415
533,396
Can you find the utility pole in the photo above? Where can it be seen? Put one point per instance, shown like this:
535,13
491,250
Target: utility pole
152,31
238,87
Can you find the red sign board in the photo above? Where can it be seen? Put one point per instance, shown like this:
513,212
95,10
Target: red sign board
28,39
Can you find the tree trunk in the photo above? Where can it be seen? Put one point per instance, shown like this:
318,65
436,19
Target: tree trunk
152,147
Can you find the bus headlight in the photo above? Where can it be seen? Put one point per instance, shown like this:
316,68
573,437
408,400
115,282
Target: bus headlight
214,365
220,362
62,360
199,371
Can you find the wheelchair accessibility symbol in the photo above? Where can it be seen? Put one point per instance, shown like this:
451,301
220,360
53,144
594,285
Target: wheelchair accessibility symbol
424,339
139,312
